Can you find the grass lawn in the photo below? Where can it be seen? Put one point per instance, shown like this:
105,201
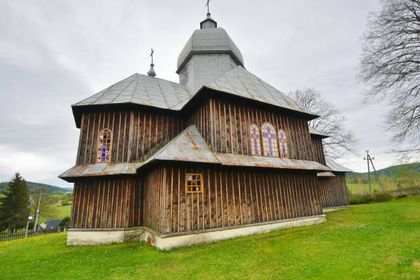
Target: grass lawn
64,211
364,188
375,241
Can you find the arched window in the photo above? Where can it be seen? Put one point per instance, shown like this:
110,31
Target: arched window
104,145
283,143
254,135
269,140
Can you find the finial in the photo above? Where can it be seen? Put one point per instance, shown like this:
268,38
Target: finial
151,72
208,8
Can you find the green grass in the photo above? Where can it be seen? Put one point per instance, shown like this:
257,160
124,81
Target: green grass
64,211
364,188
375,241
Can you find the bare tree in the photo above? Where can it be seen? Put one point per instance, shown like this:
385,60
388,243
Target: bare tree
391,65
330,121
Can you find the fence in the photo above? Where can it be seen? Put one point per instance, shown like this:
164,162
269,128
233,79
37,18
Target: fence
14,236
406,191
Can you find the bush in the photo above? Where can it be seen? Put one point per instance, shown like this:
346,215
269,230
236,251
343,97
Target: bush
360,199
381,196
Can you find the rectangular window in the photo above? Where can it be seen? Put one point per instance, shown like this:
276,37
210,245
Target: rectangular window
194,183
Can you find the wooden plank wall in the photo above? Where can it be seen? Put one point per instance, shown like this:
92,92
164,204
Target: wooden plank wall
108,202
225,126
333,190
231,197
134,134
318,150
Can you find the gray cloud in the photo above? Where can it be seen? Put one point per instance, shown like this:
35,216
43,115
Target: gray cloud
55,53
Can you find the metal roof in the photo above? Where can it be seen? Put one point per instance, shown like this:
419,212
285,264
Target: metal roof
269,162
99,169
188,146
325,174
143,90
209,41
334,166
313,131
241,82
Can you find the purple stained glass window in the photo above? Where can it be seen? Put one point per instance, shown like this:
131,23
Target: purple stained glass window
254,135
269,140
283,143
104,145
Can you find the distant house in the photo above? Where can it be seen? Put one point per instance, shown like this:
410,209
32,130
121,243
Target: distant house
52,225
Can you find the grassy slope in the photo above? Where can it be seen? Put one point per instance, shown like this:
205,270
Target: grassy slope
376,241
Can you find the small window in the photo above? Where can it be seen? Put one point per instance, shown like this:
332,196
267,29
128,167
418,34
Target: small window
283,143
269,140
254,135
194,183
104,145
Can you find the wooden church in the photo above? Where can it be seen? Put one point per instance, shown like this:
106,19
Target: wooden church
219,154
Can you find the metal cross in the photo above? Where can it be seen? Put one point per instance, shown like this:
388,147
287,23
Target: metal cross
151,54
208,6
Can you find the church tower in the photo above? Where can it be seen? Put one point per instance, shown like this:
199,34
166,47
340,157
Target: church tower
208,54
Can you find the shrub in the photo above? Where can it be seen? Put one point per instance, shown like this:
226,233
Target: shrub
381,196
360,199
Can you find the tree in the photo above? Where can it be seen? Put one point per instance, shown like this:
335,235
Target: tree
14,205
330,121
391,65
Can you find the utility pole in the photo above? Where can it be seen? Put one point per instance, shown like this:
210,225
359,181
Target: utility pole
368,166
37,209
369,160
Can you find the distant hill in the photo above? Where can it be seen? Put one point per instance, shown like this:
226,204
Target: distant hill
34,187
392,171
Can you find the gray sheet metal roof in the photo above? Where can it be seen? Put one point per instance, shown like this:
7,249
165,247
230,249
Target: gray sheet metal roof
188,146
99,169
325,174
241,82
142,90
313,131
207,41
269,162
334,166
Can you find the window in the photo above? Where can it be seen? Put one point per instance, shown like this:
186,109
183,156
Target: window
104,145
254,134
269,140
283,143
194,183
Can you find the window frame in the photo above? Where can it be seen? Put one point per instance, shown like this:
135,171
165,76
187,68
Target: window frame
200,185
258,139
275,148
282,139
108,131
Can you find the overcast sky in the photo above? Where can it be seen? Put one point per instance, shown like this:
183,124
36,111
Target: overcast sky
55,53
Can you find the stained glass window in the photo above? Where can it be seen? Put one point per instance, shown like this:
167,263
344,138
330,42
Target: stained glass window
283,143
254,135
104,145
269,140
194,183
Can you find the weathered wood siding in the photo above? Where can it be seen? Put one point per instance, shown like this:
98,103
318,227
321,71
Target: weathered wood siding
135,134
108,202
225,126
231,197
333,190
318,150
